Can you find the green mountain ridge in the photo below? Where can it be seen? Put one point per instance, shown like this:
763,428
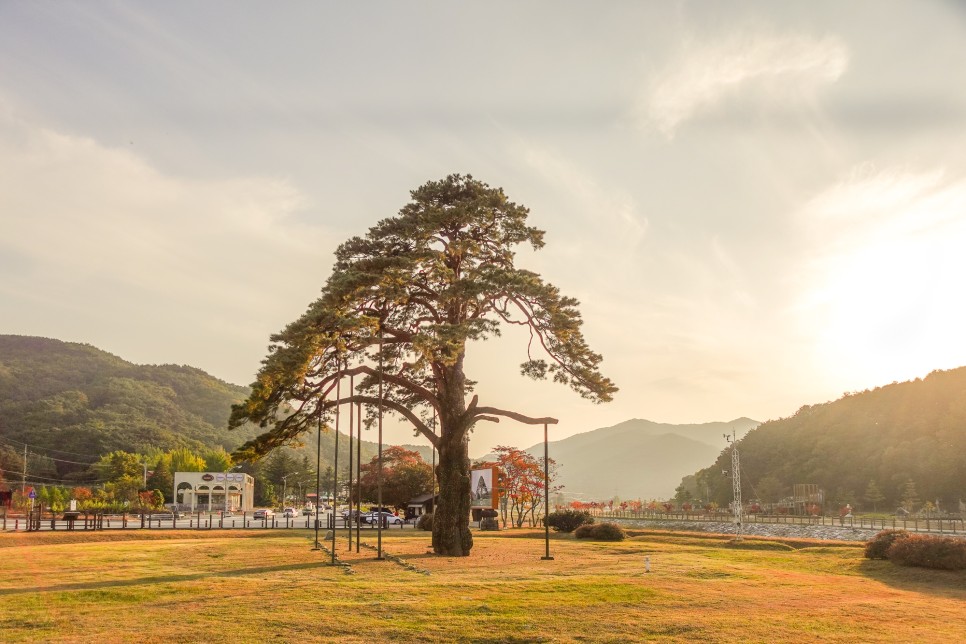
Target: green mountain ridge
72,398
910,431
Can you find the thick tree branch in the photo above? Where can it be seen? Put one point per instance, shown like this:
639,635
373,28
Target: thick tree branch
408,385
493,411
401,409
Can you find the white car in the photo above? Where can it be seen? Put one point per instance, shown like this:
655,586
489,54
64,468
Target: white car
290,513
390,518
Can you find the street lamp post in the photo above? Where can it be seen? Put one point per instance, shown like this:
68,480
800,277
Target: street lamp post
285,486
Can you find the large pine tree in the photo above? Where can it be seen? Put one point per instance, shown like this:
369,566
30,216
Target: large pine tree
398,310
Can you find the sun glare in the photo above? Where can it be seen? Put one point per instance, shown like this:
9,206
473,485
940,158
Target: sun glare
886,301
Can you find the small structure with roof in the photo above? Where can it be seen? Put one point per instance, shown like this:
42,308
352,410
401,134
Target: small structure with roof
213,491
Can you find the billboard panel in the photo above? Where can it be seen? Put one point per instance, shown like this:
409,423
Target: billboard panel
483,488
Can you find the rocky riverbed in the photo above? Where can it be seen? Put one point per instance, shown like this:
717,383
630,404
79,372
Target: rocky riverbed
841,533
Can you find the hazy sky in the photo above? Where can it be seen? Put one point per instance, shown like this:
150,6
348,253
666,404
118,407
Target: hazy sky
759,205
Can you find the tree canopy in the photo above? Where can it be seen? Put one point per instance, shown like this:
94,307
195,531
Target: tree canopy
397,312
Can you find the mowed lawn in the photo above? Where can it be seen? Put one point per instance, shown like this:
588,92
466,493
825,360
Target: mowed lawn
261,586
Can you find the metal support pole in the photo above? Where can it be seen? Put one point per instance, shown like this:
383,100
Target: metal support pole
352,391
546,493
735,483
335,468
358,479
379,478
433,500
318,477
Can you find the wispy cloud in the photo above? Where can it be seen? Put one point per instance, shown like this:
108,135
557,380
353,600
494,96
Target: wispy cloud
100,231
601,204
770,67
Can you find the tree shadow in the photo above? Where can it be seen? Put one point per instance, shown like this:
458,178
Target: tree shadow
161,579
942,583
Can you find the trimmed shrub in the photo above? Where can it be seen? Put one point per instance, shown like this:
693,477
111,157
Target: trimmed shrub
568,520
600,532
878,546
924,551
425,522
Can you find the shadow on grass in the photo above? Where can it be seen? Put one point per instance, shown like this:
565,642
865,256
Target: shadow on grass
161,579
944,583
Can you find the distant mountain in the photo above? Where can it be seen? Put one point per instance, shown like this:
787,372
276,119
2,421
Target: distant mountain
637,458
910,431
76,398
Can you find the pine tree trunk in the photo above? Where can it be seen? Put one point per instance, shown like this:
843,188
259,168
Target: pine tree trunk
451,519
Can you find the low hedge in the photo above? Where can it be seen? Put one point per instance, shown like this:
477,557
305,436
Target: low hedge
878,546
601,532
425,522
926,551
568,520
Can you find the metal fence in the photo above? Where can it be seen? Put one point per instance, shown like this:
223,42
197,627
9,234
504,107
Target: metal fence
941,525
36,521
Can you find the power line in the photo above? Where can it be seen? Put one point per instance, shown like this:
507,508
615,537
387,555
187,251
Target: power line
58,479
35,453
49,449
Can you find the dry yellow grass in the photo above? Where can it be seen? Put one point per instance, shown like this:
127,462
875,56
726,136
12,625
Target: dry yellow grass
270,586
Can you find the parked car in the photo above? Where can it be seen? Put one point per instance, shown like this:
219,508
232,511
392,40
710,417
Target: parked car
309,511
290,513
263,514
372,517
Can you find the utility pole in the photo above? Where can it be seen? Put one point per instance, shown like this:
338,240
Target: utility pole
735,482
23,485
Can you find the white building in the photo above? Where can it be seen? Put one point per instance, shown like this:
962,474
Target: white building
207,491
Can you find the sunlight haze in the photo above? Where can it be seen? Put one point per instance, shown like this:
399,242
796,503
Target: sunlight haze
758,205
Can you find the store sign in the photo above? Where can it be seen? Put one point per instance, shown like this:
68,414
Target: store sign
207,477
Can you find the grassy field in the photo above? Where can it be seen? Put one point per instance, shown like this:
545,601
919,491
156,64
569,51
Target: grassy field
259,586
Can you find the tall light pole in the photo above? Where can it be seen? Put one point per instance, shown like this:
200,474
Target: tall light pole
735,482
285,486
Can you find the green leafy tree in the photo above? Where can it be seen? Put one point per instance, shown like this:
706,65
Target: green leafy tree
120,465
217,460
404,475
185,460
682,494
770,489
161,475
910,497
11,462
398,310
873,495
281,471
